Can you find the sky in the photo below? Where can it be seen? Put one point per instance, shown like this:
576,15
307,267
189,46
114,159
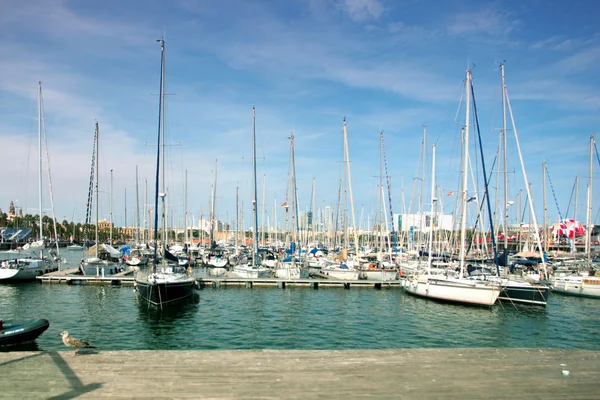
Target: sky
391,66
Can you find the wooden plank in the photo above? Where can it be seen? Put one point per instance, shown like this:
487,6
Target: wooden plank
400,373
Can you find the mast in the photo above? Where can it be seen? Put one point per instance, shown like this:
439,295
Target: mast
531,209
97,135
590,226
255,194
545,229
430,257
505,159
160,125
40,158
262,213
380,246
465,180
185,225
137,207
110,224
423,150
347,157
576,190
237,217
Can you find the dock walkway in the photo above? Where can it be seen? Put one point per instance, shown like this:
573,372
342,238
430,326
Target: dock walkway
319,374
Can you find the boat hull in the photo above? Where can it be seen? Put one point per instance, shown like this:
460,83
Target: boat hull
380,274
341,273
525,294
160,293
24,274
581,287
453,291
14,332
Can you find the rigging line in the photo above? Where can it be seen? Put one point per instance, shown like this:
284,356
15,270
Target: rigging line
489,207
387,177
553,193
485,194
597,156
570,198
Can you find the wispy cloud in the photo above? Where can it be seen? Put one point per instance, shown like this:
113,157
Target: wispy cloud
490,21
360,10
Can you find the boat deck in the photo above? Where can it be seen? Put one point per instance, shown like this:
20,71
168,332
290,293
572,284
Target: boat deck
319,374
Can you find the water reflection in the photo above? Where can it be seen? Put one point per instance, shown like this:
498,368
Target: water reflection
167,327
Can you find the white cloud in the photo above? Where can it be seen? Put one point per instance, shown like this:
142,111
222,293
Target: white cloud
361,10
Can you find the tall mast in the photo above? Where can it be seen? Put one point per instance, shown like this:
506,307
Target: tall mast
465,180
588,234
40,159
431,219
237,217
347,157
423,150
160,125
165,239
97,176
380,246
255,193
545,229
137,207
531,208
505,160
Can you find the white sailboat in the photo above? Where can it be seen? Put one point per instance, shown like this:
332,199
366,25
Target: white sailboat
439,285
345,267
290,267
24,267
101,259
245,269
582,285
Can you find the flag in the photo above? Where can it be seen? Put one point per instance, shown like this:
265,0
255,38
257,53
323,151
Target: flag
284,204
450,193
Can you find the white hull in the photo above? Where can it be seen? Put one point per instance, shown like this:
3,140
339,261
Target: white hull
341,273
380,275
27,272
249,272
578,286
287,273
216,271
453,290
217,263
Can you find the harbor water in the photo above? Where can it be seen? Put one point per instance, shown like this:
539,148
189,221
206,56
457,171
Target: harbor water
113,318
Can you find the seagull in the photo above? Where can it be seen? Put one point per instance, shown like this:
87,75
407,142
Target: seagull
73,343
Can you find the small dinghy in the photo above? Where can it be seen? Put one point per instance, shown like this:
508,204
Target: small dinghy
17,332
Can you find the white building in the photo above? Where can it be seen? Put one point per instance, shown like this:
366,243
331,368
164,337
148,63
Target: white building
423,222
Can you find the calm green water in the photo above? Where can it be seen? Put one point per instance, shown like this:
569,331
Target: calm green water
112,318
270,318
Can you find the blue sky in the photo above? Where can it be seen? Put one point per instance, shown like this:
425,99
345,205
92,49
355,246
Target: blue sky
306,64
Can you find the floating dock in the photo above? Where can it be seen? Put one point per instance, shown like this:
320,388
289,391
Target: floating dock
125,278
308,374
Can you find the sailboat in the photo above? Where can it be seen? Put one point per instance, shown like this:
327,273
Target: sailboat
101,259
343,267
440,285
290,267
244,269
169,282
586,283
382,268
27,268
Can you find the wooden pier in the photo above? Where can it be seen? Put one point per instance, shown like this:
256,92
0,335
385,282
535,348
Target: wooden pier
275,374
126,279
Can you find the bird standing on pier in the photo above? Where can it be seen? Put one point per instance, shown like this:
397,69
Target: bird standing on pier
73,343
